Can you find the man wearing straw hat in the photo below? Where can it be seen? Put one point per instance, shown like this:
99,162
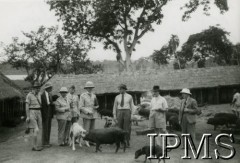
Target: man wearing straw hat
33,112
188,112
88,105
122,109
47,114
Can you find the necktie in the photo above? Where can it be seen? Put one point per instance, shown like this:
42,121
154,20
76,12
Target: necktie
50,98
185,103
122,101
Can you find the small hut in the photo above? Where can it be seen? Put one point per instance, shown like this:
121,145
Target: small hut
212,85
11,103
24,85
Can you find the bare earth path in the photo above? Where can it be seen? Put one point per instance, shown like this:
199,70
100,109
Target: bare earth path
17,148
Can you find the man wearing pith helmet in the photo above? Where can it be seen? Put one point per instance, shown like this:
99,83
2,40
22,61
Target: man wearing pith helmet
122,109
188,112
88,106
63,116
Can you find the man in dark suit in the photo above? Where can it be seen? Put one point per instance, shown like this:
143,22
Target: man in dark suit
47,114
188,112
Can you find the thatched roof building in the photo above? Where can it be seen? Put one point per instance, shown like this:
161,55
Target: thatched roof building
208,85
142,81
8,89
11,103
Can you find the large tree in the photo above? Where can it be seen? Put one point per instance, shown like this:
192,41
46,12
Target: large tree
236,54
119,22
210,43
45,52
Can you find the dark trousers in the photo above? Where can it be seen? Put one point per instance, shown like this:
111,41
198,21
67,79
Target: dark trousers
46,125
46,130
188,128
124,121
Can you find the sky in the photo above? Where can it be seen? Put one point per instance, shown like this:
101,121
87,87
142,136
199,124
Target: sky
27,15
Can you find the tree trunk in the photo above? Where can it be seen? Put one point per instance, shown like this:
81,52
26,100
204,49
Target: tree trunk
128,63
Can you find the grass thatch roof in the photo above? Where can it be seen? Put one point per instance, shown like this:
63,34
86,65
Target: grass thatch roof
8,89
23,84
142,81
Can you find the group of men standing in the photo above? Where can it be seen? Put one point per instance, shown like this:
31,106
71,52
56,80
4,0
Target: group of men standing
123,108
39,111
41,108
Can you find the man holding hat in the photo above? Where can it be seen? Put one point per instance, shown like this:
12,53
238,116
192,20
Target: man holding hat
63,116
188,112
88,105
159,106
33,112
122,109
47,114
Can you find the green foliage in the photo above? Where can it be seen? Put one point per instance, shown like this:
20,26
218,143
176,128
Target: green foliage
161,56
236,54
115,22
193,5
180,62
210,43
45,53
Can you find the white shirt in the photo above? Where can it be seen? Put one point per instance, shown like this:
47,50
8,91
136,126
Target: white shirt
237,98
128,103
47,97
159,102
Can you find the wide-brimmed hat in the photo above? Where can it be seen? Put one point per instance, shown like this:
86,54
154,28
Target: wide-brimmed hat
48,85
122,86
89,84
63,90
185,91
36,85
156,88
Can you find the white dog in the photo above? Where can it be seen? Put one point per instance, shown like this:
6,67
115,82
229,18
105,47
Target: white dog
77,132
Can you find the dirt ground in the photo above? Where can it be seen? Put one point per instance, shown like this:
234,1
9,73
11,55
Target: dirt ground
16,146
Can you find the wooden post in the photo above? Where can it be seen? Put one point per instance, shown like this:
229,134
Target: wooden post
217,95
105,96
135,98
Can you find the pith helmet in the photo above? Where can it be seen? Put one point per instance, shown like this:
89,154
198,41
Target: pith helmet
89,84
63,90
186,91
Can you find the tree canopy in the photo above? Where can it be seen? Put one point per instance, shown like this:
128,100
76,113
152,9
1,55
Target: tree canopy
119,22
210,43
45,52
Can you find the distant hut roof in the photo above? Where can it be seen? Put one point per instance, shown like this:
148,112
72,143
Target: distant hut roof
142,81
8,89
23,84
